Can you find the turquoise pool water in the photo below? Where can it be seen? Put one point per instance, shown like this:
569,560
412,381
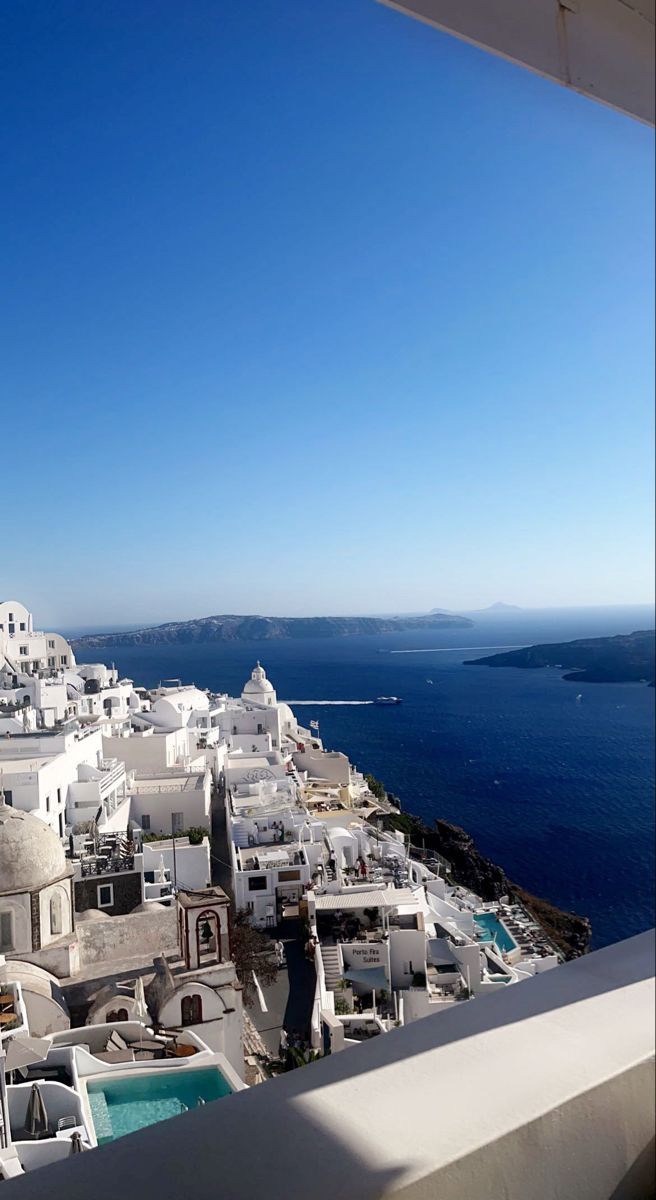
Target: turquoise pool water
119,1106
492,930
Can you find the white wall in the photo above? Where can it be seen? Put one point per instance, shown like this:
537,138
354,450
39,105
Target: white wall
148,751
160,799
407,955
545,1091
192,863
331,765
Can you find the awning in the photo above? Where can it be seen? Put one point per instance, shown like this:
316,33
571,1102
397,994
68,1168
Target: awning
369,977
371,898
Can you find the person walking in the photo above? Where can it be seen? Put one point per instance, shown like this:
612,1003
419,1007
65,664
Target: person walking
280,952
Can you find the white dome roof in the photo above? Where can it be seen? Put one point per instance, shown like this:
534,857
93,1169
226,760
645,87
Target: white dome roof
287,716
258,683
31,854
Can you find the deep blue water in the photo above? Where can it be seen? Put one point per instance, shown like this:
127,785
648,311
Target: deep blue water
559,791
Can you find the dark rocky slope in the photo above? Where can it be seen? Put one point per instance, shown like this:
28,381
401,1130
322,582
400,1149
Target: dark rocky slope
569,932
626,658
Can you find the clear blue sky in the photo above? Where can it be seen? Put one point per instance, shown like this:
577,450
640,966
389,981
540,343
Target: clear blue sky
310,309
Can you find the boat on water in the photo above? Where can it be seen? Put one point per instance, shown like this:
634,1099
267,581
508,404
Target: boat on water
387,700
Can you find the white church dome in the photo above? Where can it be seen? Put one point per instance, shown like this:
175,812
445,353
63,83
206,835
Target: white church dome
258,684
31,854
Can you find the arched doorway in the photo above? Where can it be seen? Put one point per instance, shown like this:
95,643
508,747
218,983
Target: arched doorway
192,1009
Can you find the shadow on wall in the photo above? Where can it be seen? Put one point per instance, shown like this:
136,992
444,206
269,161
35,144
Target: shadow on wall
249,1164
280,1139
639,1179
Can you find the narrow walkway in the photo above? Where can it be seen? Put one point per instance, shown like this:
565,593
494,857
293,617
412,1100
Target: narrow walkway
289,999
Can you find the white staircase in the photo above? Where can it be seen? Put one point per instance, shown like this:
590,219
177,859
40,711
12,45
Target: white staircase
331,966
240,834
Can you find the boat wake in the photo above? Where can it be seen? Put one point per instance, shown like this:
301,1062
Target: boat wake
296,703
456,649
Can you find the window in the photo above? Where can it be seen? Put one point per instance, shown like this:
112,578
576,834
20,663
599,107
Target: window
105,895
9,797
192,1010
58,797
257,883
116,1014
64,660
6,931
23,649
288,876
56,926
47,803
52,662
11,616
12,627
51,645
22,627
145,822
177,822
149,876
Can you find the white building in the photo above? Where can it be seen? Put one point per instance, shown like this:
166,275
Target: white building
62,776
172,801
25,651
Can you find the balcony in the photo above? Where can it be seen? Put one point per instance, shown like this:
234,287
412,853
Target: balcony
541,1090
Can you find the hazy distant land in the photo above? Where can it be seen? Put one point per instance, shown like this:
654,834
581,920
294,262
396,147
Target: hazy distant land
625,658
255,628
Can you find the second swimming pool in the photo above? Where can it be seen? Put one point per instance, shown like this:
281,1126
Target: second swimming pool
491,929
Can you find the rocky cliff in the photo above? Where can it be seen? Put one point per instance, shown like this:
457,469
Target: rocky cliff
569,932
232,628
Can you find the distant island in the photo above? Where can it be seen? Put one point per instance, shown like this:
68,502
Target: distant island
497,607
626,658
255,628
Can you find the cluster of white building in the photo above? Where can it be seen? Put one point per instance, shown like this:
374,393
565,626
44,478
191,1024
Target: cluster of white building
115,950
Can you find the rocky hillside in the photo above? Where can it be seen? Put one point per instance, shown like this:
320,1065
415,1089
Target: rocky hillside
626,658
254,628
569,932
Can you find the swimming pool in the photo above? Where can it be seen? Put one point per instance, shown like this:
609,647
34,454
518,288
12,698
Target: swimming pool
492,930
119,1106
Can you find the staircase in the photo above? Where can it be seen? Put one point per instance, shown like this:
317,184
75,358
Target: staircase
240,835
331,967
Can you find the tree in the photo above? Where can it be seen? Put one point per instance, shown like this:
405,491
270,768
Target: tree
252,952
376,787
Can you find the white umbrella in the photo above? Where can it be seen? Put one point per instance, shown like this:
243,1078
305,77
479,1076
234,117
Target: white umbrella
161,871
21,1051
140,1006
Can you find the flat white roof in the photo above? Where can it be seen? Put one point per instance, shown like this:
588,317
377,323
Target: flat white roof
372,898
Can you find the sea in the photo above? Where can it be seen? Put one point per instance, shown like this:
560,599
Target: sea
553,779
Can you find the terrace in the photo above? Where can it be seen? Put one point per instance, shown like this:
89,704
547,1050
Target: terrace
256,858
